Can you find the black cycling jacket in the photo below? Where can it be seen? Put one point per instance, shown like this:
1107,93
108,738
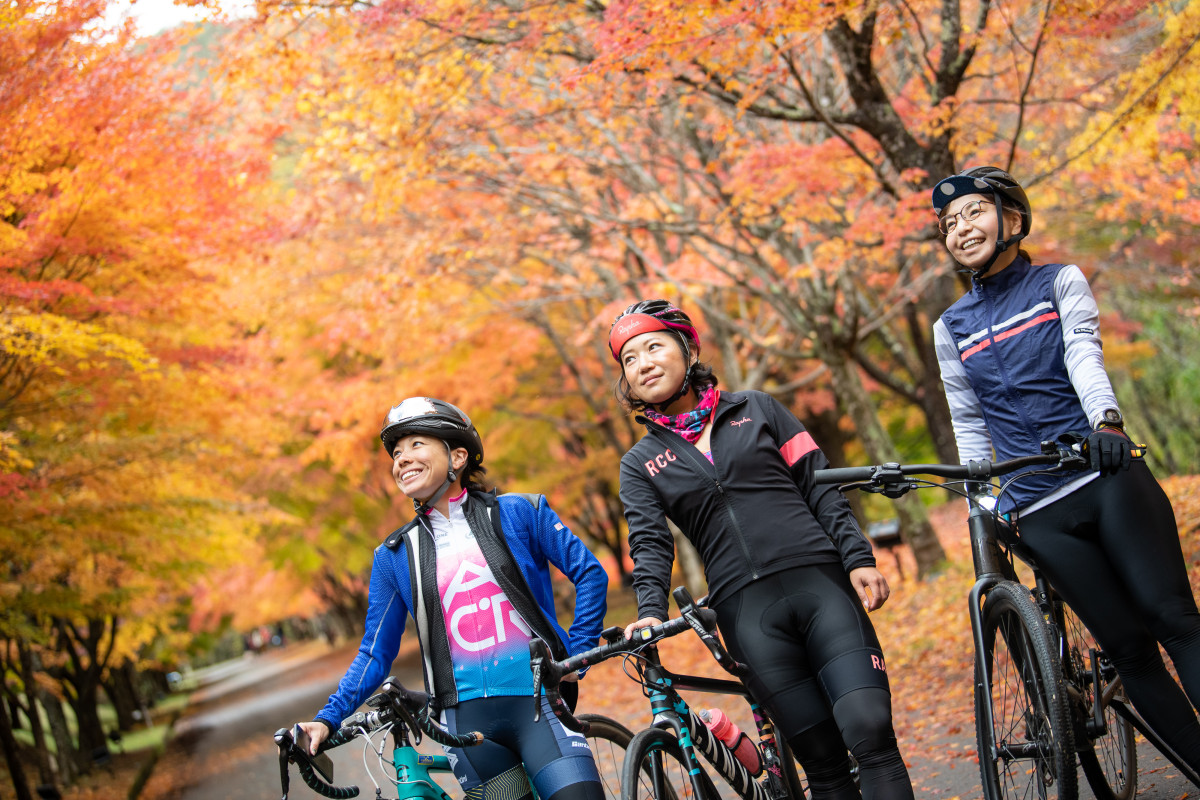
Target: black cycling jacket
752,512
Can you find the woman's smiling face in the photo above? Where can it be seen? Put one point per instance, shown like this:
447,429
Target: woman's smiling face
654,366
973,241
420,463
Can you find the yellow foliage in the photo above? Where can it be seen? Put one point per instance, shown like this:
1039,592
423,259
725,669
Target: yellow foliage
61,344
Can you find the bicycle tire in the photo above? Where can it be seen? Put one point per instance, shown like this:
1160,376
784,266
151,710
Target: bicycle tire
609,741
1031,738
656,769
1109,760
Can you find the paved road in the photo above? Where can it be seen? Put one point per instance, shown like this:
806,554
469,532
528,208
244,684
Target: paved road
223,748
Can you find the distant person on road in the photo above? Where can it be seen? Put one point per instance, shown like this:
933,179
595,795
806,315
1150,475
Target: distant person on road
472,568
1021,362
790,574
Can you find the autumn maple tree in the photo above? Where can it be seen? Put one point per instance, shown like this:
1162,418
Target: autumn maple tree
768,163
125,204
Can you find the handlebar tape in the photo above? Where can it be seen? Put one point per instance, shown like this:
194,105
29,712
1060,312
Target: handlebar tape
309,775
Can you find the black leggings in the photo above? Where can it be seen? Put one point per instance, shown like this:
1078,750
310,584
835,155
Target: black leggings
1112,551
815,663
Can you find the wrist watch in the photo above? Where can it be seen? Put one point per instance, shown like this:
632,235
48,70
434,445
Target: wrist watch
1111,418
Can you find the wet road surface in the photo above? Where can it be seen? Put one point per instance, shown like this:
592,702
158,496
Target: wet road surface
223,747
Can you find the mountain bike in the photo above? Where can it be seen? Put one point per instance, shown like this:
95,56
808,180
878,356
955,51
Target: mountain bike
662,761
405,715
1045,692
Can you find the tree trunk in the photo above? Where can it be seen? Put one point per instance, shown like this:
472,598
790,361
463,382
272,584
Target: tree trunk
931,396
828,434
123,695
87,717
15,713
30,665
67,758
915,529
12,756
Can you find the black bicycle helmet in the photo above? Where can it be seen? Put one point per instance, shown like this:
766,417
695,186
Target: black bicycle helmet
432,417
1006,193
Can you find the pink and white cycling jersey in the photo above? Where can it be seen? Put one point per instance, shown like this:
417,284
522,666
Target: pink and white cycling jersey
489,641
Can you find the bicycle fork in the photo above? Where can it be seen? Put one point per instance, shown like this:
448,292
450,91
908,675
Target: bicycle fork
989,571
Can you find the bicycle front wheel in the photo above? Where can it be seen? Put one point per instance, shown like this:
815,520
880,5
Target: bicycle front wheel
655,768
1108,754
1028,751
609,741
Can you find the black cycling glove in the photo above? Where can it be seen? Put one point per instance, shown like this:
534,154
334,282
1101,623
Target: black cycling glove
1109,450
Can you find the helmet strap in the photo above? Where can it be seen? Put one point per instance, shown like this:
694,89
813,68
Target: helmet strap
686,386
422,507
1002,244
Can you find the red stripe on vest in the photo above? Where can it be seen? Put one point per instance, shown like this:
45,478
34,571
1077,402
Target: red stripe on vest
1047,317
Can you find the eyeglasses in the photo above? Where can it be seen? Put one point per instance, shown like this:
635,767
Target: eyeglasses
969,213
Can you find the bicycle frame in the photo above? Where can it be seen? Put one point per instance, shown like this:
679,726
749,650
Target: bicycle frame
413,768
990,569
670,710
991,556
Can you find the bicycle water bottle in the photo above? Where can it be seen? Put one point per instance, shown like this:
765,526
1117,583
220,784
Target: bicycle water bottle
724,729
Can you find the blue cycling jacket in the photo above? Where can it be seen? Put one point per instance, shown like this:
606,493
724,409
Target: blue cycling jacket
533,538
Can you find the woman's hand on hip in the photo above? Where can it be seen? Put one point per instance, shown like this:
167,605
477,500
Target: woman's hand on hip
871,586
644,622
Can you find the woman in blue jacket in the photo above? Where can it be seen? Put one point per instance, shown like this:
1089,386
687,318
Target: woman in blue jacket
790,574
472,570
1021,361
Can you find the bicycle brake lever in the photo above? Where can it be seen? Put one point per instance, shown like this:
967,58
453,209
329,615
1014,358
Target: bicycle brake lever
536,655
283,739
895,490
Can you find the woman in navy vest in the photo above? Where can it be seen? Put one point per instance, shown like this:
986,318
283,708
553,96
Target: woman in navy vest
472,569
1021,361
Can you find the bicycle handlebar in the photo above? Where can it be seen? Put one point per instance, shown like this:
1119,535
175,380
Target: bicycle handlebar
393,705
548,673
891,479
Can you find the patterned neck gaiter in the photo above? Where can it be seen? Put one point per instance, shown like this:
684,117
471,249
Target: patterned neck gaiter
689,424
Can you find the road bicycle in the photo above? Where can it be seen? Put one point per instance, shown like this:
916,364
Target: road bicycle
405,715
662,762
1045,692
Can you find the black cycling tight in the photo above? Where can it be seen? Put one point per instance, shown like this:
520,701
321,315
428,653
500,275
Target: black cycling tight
815,663
1112,550
865,722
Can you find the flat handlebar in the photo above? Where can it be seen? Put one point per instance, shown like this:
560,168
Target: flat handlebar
893,479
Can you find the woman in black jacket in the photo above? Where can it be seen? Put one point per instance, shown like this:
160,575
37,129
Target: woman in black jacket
790,574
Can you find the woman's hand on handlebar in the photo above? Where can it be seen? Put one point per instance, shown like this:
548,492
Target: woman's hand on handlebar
317,733
644,622
871,586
